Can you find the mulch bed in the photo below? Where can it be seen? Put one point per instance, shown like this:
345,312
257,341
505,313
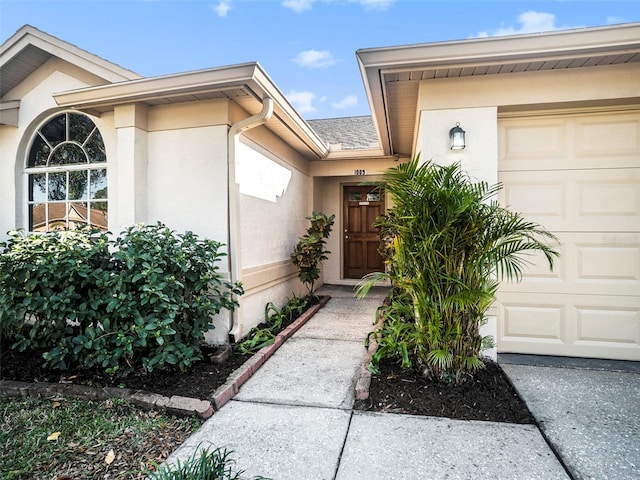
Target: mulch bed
199,382
489,396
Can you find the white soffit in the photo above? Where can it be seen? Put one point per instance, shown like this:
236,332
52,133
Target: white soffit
393,109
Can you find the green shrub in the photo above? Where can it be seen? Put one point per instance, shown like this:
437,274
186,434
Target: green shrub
144,300
452,243
310,250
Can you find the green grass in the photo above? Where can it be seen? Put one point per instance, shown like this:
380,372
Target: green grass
88,431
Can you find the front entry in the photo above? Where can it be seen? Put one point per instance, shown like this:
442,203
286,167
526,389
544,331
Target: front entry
361,206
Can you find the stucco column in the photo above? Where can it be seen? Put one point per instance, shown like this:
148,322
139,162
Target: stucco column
128,171
479,158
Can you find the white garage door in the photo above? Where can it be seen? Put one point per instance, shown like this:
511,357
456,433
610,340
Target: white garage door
579,176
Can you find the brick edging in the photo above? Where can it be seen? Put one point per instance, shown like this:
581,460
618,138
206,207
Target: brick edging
364,379
176,404
227,391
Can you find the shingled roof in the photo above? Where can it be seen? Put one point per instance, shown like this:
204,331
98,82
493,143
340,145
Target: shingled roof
348,133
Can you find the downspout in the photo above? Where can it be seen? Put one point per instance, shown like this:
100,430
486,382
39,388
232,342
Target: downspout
234,246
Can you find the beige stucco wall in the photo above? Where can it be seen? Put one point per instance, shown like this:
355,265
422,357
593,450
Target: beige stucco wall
479,158
270,225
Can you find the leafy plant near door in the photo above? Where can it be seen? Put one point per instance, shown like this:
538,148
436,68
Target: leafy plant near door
451,245
310,250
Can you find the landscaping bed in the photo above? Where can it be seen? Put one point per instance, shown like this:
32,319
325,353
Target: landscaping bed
489,396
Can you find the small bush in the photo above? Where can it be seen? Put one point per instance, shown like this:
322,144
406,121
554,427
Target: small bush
310,250
275,320
143,300
206,465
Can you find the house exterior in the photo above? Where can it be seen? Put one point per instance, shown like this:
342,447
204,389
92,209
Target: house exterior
555,117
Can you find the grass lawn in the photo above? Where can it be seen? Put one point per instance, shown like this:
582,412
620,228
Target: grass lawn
59,439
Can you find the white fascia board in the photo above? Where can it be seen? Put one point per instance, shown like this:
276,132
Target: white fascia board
289,115
29,35
375,96
157,87
548,45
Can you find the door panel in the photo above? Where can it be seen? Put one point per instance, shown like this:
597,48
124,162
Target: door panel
362,205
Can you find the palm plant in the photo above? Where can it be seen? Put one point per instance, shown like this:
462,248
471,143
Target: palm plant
453,244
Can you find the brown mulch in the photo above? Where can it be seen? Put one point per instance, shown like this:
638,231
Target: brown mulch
199,382
489,396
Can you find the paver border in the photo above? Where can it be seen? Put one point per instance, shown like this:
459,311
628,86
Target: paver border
176,404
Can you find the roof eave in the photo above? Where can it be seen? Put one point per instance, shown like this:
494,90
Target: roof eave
375,62
31,36
249,76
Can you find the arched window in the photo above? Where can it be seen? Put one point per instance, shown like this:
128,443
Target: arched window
67,175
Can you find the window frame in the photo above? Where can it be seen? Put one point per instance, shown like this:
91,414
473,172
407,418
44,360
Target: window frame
29,202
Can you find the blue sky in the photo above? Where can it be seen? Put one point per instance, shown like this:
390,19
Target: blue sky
306,46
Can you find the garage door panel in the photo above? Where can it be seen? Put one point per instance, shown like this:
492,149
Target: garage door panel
574,325
578,176
542,139
606,136
582,200
607,325
582,141
589,263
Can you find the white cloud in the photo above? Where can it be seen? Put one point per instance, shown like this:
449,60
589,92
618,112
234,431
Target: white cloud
530,22
614,20
303,101
314,59
222,8
299,6
346,102
376,4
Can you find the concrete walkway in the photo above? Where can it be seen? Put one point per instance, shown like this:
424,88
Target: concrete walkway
293,418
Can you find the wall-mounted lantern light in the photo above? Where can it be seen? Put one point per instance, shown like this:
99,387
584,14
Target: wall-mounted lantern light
456,135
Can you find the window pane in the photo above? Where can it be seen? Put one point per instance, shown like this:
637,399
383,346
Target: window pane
95,148
98,183
57,216
78,214
68,154
80,127
355,196
39,153
98,215
373,196
55,130
38,187
37,217
78,185
58,186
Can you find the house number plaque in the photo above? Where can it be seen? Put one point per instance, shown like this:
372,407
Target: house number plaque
360,172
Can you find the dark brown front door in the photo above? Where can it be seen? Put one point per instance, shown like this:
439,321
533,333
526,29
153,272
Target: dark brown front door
362,205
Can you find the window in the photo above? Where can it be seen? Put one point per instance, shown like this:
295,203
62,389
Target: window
67,175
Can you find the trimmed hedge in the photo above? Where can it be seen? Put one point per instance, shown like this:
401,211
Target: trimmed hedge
143,300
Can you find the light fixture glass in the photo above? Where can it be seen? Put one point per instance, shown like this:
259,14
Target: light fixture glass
456,135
